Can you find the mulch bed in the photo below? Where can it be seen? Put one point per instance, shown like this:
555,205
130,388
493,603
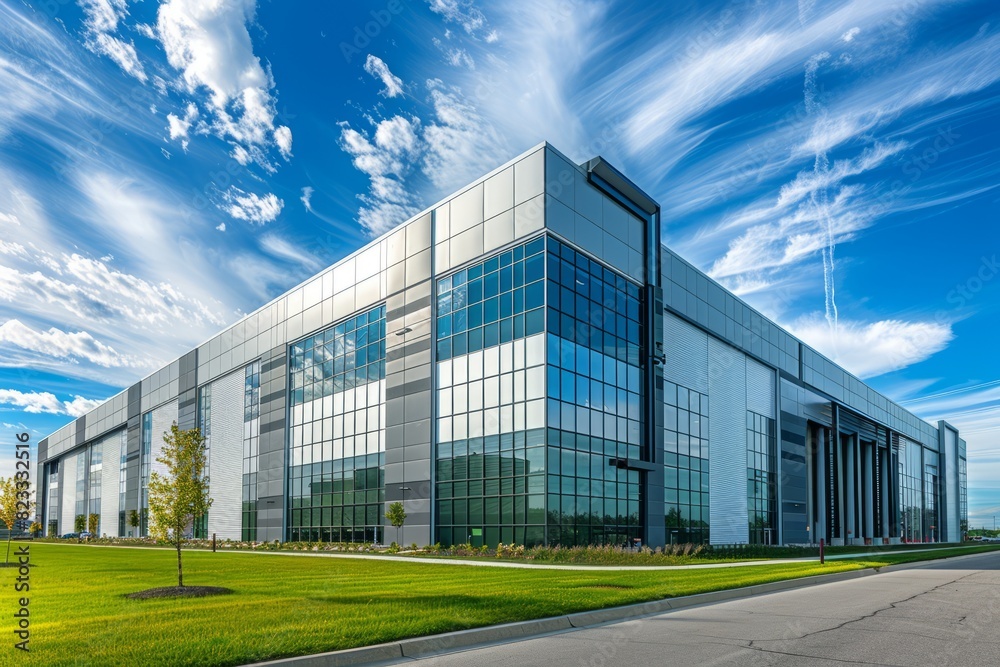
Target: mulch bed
179,592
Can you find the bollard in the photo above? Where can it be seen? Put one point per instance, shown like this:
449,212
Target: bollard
213,543
822,558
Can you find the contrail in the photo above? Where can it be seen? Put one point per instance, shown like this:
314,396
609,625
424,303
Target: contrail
819,196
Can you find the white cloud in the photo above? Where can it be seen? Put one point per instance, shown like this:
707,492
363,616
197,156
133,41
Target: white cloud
101,18
283,138
850,34
871,349
378,69
221,226
32,402
252,207
179,127
38,402
209,45
306,198
464,13
73,346
80,406
386,158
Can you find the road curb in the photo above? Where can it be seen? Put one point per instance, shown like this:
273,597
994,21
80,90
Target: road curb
420,647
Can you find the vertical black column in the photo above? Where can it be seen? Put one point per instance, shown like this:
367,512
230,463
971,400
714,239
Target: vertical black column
654,526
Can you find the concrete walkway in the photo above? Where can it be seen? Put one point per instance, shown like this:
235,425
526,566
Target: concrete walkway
538,566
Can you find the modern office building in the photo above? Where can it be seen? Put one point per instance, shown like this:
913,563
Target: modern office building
522,362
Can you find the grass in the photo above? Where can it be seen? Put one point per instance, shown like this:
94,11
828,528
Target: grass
286,605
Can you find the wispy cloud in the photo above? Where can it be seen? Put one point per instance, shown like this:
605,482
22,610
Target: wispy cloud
871,349
392,84
209,46
252,207
100,26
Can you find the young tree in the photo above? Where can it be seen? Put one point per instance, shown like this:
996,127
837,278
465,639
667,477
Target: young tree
134,521
396,516
80,523
93,523
15,505
181,496
35,528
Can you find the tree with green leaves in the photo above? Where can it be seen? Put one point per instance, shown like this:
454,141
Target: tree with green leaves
134,522
93,523
80,523
15,505
396,516
180,497
35,529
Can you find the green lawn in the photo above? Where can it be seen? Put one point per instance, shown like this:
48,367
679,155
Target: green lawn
291,605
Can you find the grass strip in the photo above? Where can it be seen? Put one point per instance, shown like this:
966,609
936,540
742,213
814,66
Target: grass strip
294,606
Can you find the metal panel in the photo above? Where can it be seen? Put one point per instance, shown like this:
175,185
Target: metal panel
225,465
163,417
727,439
111,456
686,351
760,388
67,491
950,472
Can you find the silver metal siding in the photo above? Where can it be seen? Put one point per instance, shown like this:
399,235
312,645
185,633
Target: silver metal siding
225,465
727,479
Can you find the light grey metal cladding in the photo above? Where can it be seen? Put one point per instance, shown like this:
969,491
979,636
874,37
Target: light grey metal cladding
760,388
686,351
698,298
111,452
272,446
727,442
225,464
951,510
163,418
583,215
67,491
408,408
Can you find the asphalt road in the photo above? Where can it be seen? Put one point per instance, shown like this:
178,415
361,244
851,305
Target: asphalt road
944,613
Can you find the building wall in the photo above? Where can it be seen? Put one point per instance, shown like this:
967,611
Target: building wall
225,458
111,452
721,360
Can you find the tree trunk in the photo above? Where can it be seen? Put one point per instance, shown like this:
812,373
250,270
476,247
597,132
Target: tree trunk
180,572
8,547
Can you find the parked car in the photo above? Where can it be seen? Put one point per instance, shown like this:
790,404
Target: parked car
86,535
69,536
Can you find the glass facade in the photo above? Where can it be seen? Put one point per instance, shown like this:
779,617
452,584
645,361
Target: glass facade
493,302
337,432
762,491
145,452
594,390
685,444
94,483
931,490
490,457
251,436
123,528
963,497
911,491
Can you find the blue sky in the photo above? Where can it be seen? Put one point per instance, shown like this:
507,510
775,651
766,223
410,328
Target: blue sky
166,167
